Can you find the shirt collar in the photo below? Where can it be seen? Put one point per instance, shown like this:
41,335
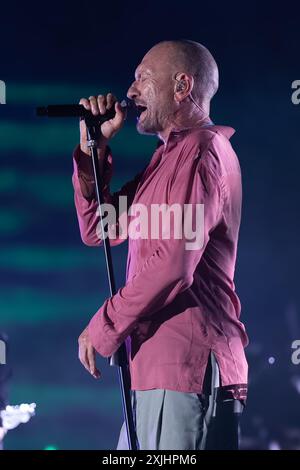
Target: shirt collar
178,134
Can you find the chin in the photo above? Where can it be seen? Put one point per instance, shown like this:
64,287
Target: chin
144,129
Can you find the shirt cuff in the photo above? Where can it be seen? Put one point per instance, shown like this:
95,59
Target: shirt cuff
84,172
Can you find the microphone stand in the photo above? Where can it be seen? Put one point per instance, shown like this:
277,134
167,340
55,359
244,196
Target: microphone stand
119,358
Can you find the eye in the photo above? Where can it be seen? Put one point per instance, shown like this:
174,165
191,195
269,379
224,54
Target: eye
143,77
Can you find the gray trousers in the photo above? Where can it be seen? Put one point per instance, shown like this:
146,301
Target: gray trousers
170,420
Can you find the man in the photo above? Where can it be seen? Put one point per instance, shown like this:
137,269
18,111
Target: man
178,308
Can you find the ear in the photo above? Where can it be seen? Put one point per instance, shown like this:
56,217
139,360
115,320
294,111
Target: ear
184,84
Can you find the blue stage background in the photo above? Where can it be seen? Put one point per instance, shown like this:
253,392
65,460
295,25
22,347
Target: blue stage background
51,284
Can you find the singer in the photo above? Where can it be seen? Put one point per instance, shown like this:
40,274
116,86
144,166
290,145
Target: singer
178,310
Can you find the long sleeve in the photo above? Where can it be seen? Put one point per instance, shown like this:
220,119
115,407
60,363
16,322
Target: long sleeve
85,198
168,271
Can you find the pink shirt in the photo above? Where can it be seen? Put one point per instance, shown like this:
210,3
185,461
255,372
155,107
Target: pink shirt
177,304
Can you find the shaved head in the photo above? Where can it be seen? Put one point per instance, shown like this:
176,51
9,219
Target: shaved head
192,58
173,86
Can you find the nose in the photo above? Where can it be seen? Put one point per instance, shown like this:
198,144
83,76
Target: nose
132,92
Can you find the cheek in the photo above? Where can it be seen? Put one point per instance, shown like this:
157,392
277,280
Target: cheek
149,92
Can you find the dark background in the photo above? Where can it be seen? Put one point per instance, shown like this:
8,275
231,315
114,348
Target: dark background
51,284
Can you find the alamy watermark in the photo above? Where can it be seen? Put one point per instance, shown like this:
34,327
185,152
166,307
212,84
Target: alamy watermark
295,358
2,352
154,221
296,94
2,92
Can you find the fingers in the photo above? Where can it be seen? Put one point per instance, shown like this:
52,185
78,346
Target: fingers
86,354
120,115
92,364
111,99
87,359
94,105
98,104
82,354
85,103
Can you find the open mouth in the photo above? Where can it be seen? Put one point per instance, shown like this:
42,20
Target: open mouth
141,110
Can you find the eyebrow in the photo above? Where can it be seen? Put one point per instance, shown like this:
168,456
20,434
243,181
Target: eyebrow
138,73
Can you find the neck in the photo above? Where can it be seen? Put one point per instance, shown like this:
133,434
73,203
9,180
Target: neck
185,120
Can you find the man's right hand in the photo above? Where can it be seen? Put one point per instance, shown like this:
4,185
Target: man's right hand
99,105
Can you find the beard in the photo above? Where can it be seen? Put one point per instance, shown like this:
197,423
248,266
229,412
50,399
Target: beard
155,118
147,124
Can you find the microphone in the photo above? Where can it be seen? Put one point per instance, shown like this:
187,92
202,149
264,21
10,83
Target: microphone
77,110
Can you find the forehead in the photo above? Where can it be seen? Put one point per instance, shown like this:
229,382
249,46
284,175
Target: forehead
151,67
146,66
154,61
